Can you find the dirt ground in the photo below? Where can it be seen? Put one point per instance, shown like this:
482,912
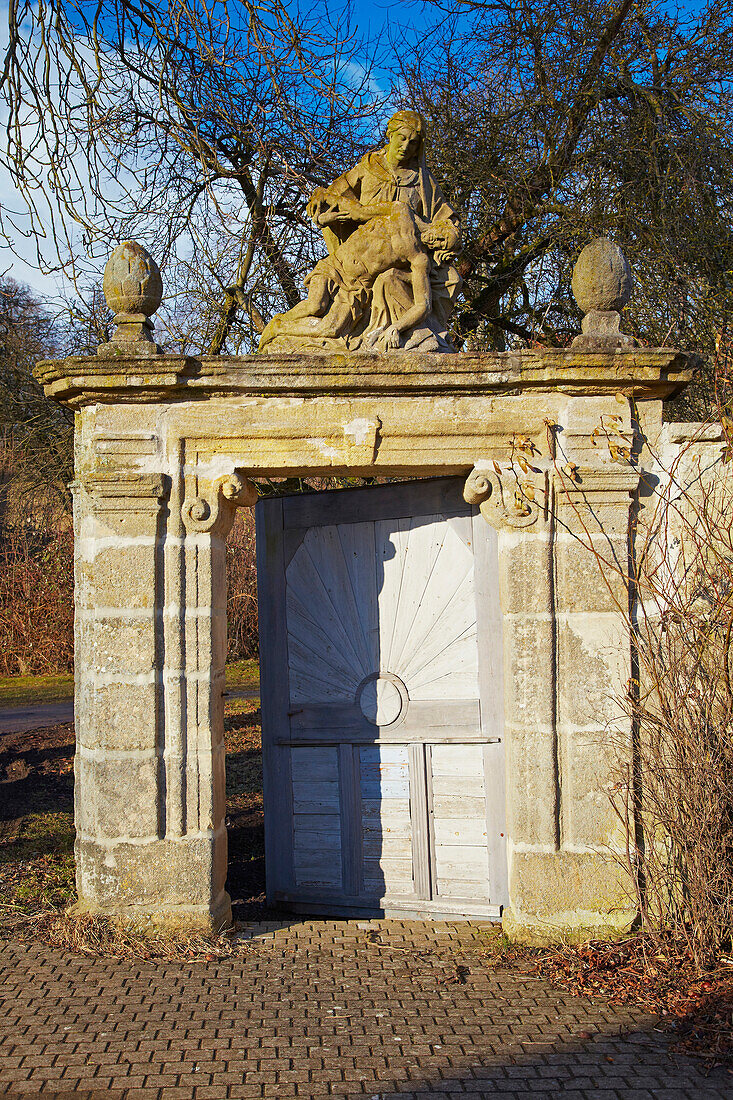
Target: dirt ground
37,816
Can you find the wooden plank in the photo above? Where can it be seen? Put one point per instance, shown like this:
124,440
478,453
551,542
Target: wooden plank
386,875
326,838
277,789
314,763
445,614
291,542
446,786
351,832
377,757
324,789
355,613
489,621
463,760
470,889
371,809
377,502
316,615
326,825
386,773
315,804
318,656
419,815
460,831
463,527
461,861
494,781
358,550
392,828
424,715
423,537
386,736
387,847
459,805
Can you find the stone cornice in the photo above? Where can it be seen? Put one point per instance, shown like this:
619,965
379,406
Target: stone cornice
122,378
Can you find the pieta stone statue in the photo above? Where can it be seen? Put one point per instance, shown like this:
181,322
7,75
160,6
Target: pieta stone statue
388,280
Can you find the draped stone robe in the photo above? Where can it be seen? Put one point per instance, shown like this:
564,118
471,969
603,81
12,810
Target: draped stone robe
373,181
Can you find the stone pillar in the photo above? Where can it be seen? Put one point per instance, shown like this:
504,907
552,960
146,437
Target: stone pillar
150,654
563,566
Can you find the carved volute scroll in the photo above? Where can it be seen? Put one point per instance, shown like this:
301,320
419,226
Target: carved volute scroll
500,504
212,510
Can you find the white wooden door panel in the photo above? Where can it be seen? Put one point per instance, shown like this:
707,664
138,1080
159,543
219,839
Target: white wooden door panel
379,639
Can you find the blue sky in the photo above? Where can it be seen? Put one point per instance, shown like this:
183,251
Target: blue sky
397,20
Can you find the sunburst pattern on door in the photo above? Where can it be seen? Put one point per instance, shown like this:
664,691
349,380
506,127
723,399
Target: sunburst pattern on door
379,613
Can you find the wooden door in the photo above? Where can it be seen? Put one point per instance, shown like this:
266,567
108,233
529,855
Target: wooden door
380,637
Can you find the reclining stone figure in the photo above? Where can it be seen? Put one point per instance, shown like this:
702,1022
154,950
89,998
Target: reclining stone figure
342,287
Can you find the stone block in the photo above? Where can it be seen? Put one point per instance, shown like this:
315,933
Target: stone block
206,785
584,582
117,646
122,523
593,667
117,796
116,716
592,763
169,882
568,895
118,576
524,573
528,657
532,790
206,640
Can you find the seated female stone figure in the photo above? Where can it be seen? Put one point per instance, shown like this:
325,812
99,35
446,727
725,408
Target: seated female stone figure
379,285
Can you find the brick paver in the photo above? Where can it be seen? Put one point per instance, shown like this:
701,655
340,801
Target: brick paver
378,1009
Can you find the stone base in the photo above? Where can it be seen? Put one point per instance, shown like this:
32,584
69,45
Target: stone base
171,883
565,896
572,926
177,918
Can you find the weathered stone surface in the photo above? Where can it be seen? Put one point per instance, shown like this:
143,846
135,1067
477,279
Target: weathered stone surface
568,896
99,707
388,281
602,277
165,450
129,378
133,288
118,794
602,286
167,882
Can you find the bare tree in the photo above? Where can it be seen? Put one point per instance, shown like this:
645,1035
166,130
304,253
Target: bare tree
198,128
36,461
554,123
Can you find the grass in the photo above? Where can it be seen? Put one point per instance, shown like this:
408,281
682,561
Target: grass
21,691
243,673
26,691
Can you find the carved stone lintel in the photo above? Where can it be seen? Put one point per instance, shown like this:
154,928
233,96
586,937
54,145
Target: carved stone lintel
213,511
500,504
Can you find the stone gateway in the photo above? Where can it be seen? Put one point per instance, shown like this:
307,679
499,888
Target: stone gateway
521,713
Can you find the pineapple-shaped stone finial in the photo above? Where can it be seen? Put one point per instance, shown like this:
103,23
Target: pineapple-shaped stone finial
133,289
602,285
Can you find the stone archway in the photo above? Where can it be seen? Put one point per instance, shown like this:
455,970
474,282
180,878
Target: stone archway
164,448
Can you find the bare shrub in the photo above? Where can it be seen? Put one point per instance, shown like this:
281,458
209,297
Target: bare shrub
36,601
242,637
676,795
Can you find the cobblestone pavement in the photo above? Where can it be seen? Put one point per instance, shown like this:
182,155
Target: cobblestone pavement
378,1009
